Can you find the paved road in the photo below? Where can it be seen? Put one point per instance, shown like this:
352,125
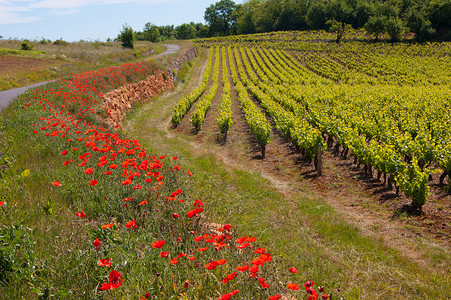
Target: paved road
171,49
7,96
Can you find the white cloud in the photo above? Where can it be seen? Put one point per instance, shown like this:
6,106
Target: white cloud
26,11
13,14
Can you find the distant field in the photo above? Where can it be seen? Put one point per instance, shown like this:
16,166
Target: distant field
48,60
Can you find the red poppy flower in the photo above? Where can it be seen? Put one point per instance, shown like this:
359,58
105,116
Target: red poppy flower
104,262
212,265
263,283
89,171
266,257
325,296
292,270
163,254
242,268
64,152
221,261
227,227
175,260
115,281
276,297
186,284
2,203
251,239
293,286
81,214
158,244
93,182
241,240
131,224
192,258
198,203
253,270
113,166
57,183
108,173
202,249
314,295
259,250
175,215
97,243
107,226
308,284
258,262
143,202
194,212
174,157
243,246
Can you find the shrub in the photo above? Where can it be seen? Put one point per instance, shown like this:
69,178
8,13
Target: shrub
60,42
26,46
127,37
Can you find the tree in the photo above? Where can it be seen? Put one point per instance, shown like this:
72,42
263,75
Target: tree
338,27
375,26
185,32
127,37
439,15
419,25
245,17
317,16
201,30
220,18
395,28
151,32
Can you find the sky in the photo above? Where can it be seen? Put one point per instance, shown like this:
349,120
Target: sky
92,20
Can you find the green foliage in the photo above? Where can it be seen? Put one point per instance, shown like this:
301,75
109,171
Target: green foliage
395,28
338,27
151,33
220,18
414,183
186,102
127,37
60,42
186,32
26,46
376,26
419,25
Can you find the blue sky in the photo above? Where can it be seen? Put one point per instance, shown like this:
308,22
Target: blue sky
74,20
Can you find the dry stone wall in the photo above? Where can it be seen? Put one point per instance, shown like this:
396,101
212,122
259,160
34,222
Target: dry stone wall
119,101
122,99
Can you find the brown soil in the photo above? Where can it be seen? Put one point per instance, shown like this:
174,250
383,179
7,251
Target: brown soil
13,65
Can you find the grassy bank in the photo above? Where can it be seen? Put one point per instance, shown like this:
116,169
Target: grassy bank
53,60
